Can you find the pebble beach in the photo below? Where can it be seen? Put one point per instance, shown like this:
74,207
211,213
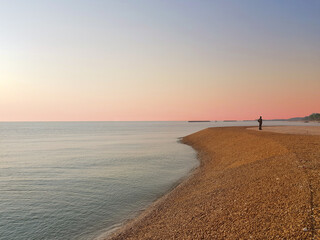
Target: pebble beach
249,185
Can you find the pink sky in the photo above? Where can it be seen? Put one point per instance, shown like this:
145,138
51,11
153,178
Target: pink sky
124,62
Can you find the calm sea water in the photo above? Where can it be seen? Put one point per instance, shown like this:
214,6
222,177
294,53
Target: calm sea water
76,180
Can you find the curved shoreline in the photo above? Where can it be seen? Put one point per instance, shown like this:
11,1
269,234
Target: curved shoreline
241,189
127,224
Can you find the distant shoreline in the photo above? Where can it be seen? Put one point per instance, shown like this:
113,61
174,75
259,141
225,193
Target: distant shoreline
245,176
200,121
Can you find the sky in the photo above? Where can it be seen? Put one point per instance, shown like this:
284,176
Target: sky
158,60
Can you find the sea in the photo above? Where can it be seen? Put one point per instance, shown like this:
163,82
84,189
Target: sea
82,180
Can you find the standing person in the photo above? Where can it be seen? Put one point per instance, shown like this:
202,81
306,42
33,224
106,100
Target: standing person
260,123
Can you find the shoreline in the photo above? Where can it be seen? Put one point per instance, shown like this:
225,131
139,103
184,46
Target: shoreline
141,214
215,212
144,212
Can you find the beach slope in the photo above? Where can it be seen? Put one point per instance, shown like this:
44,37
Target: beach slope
250,185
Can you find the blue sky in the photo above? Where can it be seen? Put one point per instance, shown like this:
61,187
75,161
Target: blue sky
158,60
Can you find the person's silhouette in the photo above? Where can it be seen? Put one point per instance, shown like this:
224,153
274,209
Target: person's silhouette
260,123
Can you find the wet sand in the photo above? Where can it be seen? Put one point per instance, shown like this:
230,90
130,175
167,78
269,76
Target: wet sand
250,185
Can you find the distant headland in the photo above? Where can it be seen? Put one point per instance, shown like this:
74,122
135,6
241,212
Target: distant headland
311,117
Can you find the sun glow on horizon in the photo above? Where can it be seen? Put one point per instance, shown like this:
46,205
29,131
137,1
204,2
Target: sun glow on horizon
159,60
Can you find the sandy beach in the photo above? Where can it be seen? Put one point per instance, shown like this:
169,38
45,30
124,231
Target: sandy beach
249,185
